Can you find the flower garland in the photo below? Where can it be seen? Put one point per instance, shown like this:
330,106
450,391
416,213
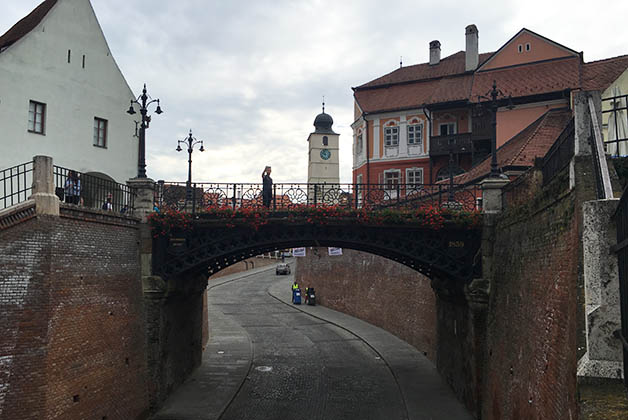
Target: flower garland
427,217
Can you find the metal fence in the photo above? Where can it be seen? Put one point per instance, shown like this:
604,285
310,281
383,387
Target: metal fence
16,184
621,221
202,196
615,118
92,191
560,154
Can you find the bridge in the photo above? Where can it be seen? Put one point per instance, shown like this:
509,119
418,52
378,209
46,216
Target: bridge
508,279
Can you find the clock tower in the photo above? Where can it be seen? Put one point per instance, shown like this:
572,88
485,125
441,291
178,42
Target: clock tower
323,165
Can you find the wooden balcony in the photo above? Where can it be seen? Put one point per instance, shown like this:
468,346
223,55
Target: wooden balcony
462,143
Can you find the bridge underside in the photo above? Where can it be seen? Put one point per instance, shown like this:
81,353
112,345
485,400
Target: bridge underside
447,256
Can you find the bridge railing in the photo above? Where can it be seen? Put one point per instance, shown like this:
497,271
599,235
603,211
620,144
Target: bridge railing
93,192
202,196
16,184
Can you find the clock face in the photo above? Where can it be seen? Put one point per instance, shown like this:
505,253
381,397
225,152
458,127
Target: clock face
325,154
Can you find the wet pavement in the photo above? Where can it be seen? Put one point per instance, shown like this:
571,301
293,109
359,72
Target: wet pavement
269,359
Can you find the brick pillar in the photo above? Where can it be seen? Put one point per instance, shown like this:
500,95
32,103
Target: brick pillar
46,202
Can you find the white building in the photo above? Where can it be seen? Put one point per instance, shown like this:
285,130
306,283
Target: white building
63,95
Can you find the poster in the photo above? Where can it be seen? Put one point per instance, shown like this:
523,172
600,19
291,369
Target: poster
298,252
334,251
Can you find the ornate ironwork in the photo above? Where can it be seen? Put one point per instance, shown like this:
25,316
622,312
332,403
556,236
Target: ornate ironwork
287,196
446,256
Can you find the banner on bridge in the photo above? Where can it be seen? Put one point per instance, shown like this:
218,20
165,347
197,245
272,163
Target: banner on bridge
298,252
334,251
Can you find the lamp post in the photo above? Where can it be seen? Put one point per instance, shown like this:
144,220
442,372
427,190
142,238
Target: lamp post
144,100
451,197
492,95
190,142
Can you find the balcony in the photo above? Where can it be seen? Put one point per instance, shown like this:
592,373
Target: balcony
439,145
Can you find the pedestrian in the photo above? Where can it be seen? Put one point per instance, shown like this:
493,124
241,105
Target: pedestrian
267,187
107,205
72,188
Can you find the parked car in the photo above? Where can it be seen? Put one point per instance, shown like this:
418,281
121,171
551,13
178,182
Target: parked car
282,268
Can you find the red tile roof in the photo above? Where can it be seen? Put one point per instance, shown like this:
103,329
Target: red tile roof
415,95
521,150
448,66
599,75
530,79
26,24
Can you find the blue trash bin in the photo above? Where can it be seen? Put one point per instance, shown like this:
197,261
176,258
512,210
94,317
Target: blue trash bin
296,296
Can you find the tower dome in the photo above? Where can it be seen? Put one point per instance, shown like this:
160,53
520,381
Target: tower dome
323,122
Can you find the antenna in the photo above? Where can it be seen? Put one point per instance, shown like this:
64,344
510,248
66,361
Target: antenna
323,104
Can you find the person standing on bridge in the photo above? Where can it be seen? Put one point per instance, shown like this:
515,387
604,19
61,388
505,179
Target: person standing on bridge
267,187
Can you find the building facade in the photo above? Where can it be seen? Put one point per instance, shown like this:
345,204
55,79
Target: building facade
63,95
411,122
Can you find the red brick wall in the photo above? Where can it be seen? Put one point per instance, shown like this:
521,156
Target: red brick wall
532,323
377,290
73,340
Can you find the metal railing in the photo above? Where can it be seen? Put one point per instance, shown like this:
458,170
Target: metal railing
615,114
93,192
560,154
16,184
288,196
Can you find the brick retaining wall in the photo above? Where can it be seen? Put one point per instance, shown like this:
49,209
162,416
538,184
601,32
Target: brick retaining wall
375,289
73,340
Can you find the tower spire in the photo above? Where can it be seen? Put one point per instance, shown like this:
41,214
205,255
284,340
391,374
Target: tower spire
323,104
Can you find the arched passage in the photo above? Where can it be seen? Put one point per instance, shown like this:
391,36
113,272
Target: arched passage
447,256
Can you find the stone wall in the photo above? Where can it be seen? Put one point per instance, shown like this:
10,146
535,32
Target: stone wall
245,265
73,343
377,290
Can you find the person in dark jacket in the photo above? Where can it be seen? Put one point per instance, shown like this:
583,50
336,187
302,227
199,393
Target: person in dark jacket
267,187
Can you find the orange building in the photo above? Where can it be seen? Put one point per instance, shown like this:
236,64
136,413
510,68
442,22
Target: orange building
409,121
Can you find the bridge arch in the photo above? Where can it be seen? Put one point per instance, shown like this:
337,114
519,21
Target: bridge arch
448,256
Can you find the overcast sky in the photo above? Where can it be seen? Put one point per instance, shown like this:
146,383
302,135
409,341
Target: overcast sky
248,76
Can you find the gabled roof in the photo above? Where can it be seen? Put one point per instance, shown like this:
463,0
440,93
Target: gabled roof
26,24
599,75
524,31
448,66
532,142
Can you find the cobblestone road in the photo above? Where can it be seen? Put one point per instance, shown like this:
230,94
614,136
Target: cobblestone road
269,360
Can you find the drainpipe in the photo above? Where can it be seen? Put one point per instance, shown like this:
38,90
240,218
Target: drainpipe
428,138
368,170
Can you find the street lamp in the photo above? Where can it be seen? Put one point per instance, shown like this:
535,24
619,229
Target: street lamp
492,95
190,142
144,100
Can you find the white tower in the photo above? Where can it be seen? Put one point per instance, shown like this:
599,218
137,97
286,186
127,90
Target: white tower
323,166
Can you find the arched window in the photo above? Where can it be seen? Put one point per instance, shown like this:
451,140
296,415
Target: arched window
325,141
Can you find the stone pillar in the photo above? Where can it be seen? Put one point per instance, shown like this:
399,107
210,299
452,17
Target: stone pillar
603,357
46,202
492,194
144,189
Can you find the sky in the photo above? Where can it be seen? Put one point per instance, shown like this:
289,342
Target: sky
248,76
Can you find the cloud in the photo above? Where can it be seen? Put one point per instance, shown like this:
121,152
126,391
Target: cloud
248,76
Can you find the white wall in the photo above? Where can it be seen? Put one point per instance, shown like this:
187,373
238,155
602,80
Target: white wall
36,68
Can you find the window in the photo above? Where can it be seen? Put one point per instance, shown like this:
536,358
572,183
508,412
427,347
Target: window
391,179
520,48
100,132
359,144
391,135
528,46
36,117
447,129
414,176
415,134
325,141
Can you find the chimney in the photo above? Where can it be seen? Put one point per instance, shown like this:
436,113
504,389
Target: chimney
434,53
471,55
